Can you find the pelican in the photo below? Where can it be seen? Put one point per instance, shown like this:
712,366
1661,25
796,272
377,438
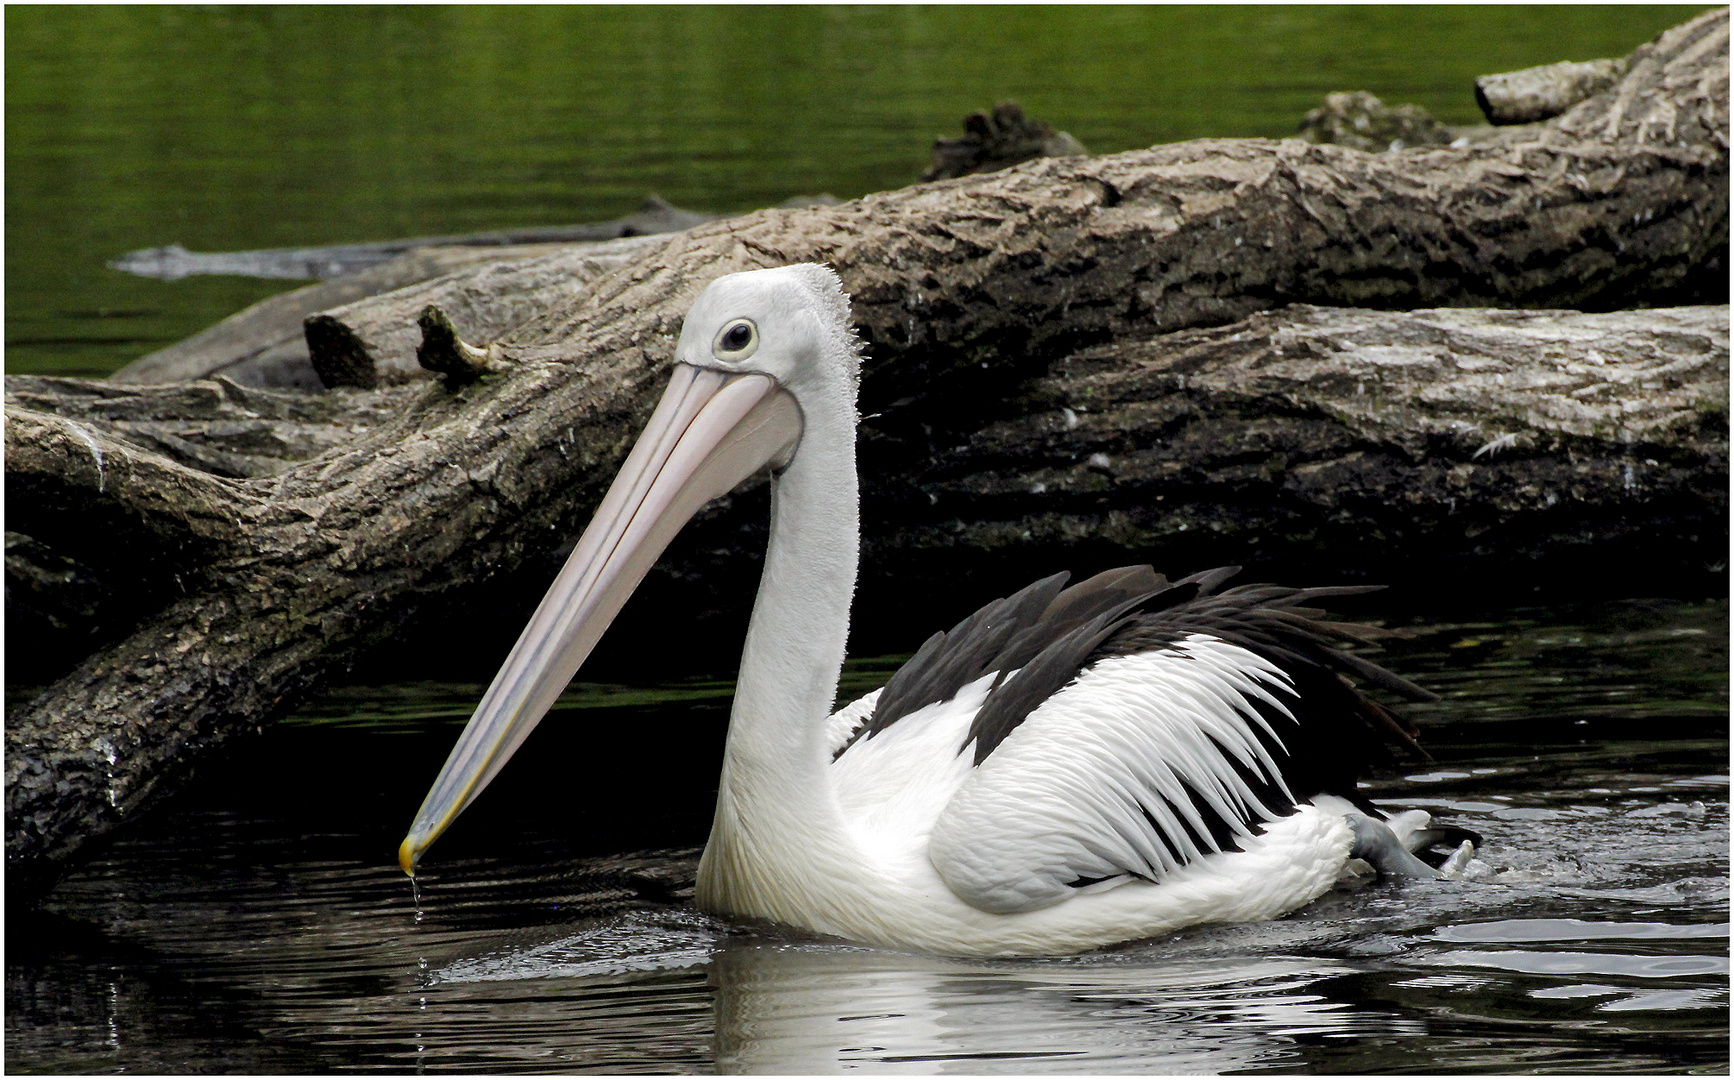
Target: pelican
1066,769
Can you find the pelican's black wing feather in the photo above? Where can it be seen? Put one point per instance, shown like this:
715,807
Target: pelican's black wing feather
1040,638
1007,635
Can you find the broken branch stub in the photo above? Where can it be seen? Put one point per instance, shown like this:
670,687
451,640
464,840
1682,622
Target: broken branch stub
443,352
382,334
1542,93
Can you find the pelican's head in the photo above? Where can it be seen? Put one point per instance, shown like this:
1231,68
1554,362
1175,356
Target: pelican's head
759,354
790,323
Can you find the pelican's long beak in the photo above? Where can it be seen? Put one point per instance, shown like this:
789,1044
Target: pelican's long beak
711,431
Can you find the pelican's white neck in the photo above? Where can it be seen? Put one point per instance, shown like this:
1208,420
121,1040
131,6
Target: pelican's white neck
774,802
800,621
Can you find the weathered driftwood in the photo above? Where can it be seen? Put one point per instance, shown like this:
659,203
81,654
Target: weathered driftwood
965,290
337,260
1621,201
265,344
1541,93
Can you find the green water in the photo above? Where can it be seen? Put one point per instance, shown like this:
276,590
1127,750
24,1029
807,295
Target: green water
225,128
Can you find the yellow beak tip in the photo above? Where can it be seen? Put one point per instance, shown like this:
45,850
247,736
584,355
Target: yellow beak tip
408,856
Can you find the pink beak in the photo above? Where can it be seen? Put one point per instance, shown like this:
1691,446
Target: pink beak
711,430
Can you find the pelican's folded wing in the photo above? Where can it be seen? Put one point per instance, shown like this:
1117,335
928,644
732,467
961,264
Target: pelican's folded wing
1145,764
1176,738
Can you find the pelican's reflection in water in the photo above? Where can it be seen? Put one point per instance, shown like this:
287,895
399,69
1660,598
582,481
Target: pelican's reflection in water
803,1006
807,1008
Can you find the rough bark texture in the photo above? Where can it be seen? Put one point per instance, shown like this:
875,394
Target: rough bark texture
1541,93
87,552
213,425
1443,451
484,304
973,294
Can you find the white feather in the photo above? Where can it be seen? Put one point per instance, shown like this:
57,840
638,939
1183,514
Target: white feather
1064,796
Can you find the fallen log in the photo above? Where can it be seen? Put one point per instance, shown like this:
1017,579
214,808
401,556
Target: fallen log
83,565
265,345
1621,201
967,290
369,343
1443,385
1446,452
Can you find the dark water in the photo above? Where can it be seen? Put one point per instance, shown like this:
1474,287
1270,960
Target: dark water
225,128
260,924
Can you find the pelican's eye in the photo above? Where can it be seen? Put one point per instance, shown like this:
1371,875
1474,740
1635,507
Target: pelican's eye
736,340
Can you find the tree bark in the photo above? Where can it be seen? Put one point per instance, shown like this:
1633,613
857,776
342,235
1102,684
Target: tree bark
981,299
105,522
1450,453
374,340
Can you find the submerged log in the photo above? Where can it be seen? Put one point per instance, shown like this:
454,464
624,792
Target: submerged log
971,293
337,260
995,140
